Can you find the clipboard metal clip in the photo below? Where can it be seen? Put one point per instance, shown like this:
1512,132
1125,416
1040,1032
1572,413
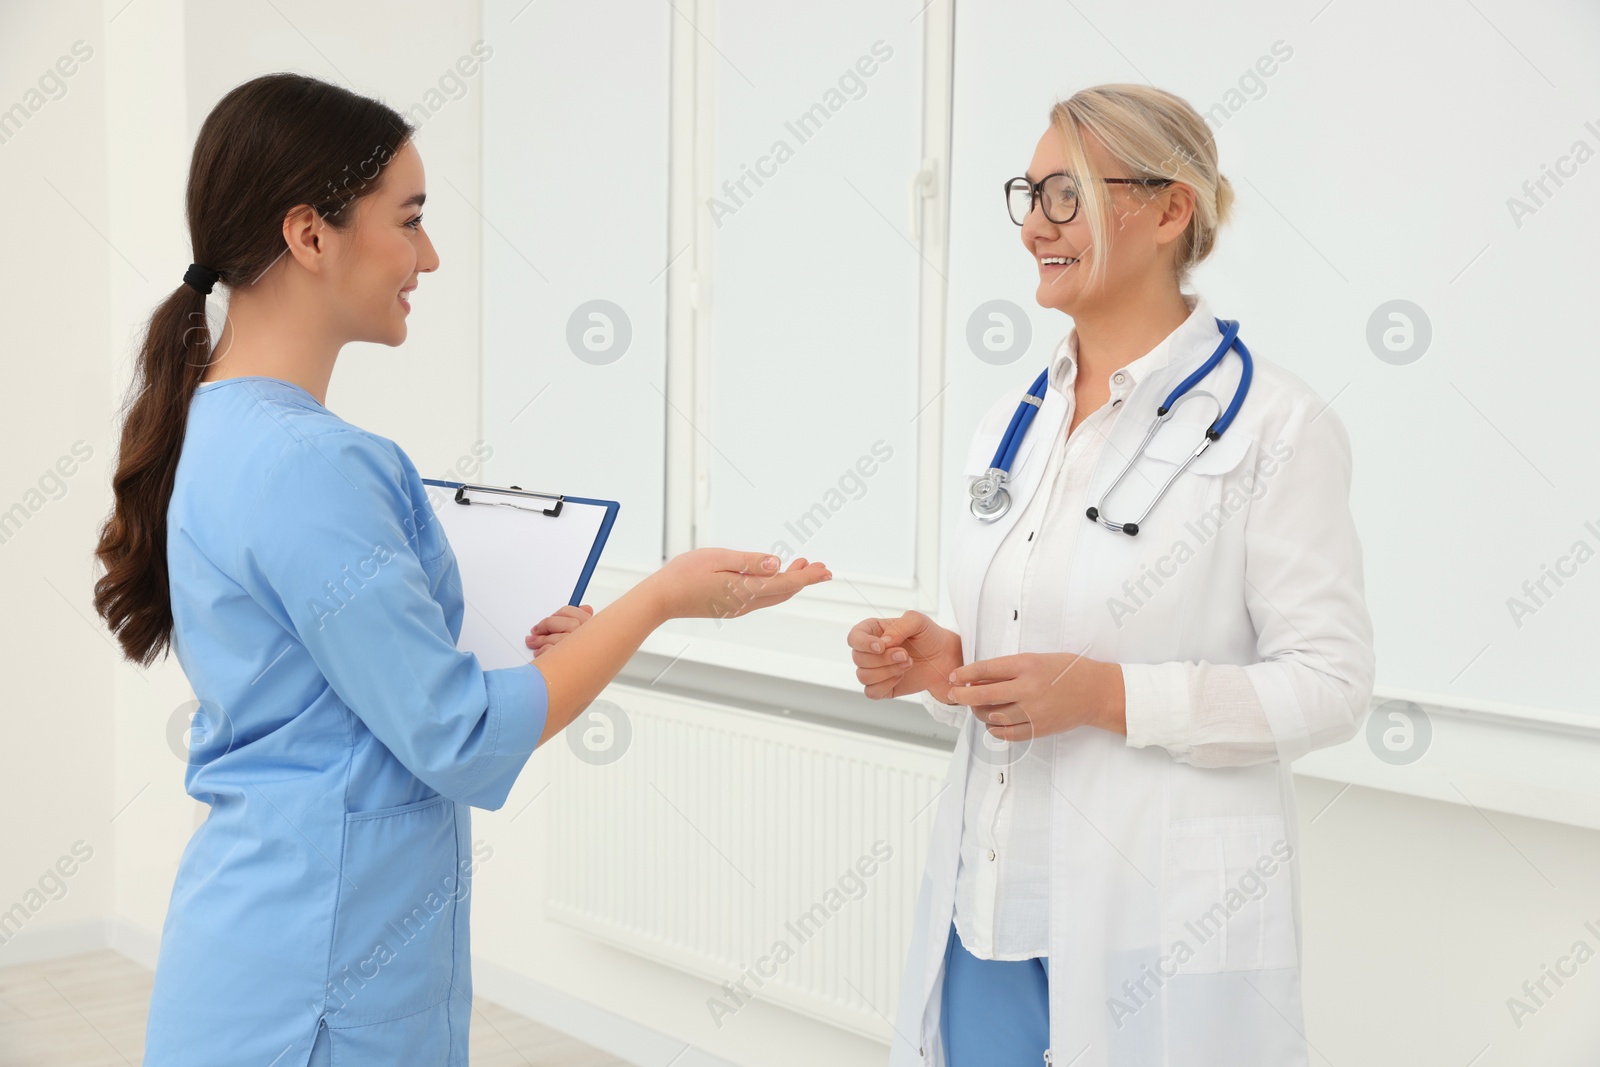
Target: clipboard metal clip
514,490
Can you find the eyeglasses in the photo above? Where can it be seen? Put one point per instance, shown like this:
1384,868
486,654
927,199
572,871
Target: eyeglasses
1058,195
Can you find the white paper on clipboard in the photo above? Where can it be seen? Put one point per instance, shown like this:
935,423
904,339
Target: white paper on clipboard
517,566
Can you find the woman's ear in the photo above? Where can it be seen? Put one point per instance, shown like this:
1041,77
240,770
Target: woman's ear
1177,208
303,231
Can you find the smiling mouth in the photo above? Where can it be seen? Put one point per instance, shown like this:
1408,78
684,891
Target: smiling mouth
1046,262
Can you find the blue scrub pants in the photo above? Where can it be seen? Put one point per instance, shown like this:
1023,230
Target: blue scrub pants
996,1013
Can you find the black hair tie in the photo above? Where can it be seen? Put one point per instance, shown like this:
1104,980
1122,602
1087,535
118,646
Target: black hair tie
200,279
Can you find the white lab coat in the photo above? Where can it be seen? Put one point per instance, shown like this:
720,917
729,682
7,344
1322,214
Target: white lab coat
1181,881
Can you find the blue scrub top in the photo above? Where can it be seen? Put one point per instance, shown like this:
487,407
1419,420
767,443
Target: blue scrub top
340,742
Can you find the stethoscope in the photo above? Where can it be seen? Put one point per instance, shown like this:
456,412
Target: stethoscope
991,499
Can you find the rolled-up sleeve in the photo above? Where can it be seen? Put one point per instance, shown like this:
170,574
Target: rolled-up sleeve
330,548
1304,591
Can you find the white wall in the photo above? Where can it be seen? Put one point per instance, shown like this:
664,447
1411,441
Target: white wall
55,274
1422,917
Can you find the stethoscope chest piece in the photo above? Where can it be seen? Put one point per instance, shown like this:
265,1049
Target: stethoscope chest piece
990,498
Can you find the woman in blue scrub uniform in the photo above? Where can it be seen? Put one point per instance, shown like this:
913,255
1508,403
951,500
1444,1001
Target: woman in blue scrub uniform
291,560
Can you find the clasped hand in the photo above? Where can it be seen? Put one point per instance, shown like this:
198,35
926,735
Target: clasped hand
1031,694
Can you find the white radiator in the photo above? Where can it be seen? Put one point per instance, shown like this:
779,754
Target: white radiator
746,847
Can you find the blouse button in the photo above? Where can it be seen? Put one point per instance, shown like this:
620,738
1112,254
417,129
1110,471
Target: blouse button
1119,377
1002,777
991,853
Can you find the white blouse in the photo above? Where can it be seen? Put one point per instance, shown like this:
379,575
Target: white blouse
1002,900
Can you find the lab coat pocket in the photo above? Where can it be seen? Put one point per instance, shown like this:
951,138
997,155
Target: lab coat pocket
394,929
1176,441
1227,898
1201,498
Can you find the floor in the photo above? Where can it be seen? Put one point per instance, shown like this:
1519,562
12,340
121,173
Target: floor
89,1011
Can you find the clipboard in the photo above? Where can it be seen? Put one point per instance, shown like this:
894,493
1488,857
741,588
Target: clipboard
519,552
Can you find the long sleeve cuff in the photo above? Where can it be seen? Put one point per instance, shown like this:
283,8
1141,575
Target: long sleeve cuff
1157,700
949,714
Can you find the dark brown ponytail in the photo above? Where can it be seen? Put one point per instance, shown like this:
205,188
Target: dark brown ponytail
271,145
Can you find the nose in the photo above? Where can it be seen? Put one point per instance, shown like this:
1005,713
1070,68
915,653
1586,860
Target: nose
1037,227
427,256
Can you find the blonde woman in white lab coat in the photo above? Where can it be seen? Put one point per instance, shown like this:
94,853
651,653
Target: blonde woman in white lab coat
1113,876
